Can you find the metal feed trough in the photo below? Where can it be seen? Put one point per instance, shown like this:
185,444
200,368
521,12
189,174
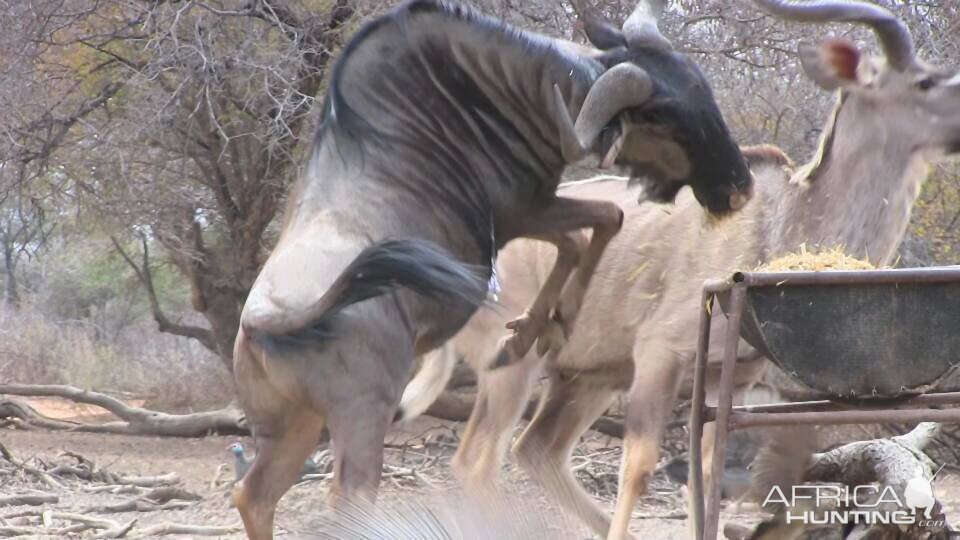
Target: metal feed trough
870,342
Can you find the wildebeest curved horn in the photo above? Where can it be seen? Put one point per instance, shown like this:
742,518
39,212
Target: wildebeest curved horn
620,87
893,34
640,28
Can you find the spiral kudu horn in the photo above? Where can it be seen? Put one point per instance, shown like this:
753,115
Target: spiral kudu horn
893,34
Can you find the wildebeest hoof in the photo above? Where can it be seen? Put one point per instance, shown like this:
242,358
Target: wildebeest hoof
524,334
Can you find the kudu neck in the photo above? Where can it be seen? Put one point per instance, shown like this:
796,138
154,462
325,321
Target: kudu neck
861,193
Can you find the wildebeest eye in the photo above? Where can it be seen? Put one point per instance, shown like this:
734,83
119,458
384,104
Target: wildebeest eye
926,83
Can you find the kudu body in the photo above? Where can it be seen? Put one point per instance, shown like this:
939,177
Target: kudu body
636,330
445,134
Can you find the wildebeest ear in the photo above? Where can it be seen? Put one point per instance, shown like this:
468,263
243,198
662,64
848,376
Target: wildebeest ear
601,33
832,64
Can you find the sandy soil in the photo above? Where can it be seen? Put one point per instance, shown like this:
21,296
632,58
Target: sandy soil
205,468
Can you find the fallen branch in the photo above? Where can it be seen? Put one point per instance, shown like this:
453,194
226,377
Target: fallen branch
135,420
43,476
148,481
37,532
29,500
179,528
163,498
136,505
11,409
88,471
113,489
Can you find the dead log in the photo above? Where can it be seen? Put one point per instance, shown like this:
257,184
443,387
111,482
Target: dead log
134,420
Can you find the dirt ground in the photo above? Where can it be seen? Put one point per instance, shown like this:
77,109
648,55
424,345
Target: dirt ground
417,469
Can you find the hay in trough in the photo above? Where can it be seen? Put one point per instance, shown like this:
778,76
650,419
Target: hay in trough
819,261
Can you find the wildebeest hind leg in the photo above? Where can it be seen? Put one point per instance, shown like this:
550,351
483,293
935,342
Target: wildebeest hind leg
357,428
280,456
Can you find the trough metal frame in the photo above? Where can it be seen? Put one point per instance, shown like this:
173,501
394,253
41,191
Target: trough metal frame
706,510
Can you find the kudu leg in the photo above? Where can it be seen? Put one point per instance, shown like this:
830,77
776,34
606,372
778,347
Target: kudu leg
275,468
566,410
562,216
652,395
533,322
710,428
502,396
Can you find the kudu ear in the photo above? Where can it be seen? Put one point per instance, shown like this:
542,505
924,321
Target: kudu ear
601,33
832,64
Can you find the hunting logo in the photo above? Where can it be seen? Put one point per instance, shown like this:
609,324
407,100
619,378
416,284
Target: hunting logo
867,504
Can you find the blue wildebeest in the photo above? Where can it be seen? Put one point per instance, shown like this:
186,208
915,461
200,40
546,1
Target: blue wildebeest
444,137
637,330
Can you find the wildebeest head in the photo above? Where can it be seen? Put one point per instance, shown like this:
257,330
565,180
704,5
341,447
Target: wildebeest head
652,112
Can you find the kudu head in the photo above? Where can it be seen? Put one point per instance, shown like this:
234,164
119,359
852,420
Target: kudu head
652,112
920,102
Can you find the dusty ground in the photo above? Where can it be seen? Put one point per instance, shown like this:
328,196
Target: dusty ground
204,467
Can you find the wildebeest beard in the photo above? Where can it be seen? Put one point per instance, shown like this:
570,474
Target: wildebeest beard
659,192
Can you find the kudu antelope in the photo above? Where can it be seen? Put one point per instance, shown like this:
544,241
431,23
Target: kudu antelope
445,134
636,330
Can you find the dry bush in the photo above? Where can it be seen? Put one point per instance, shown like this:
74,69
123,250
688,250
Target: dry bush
170,373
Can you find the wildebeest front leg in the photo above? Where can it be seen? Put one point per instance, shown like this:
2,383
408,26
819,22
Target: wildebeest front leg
531,324
573,294
560,224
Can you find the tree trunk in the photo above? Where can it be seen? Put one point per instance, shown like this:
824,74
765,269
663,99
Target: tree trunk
11,293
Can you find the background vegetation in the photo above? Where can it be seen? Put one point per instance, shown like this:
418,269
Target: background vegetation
147,146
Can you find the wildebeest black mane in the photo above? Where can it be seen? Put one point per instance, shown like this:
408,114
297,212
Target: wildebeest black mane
339,116
400,119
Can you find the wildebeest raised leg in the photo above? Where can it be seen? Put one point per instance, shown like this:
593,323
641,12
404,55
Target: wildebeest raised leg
531,324
563,215
657,371
568,306
568,407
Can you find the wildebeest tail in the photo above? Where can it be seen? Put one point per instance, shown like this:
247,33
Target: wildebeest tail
419,265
